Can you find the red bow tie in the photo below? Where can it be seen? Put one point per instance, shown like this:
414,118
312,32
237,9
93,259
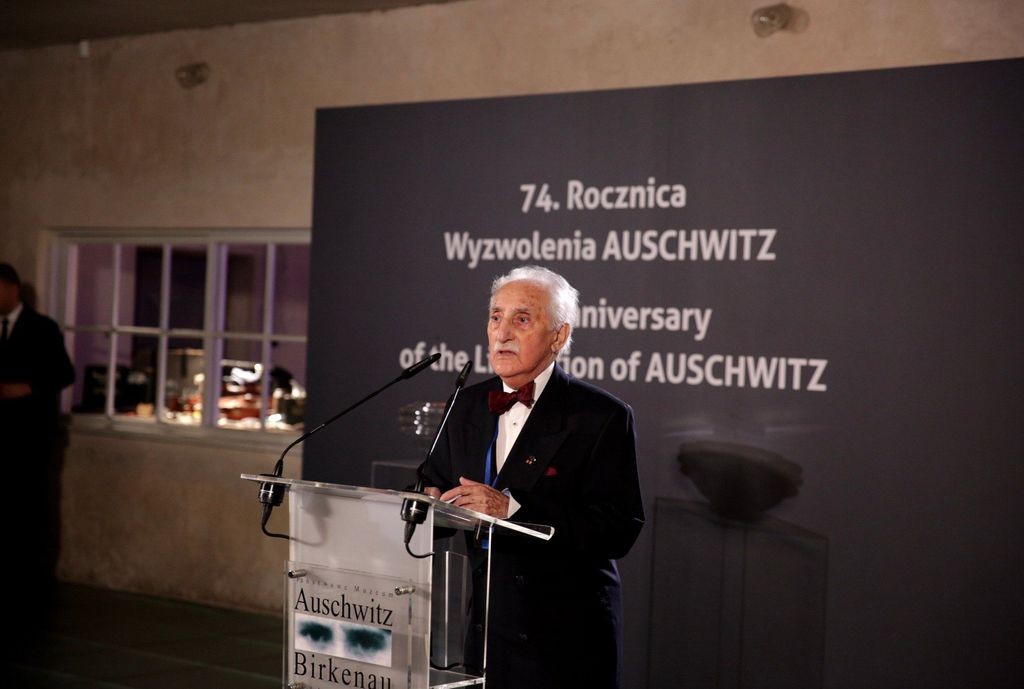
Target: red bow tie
500,402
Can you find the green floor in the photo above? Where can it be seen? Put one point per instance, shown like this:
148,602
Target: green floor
86,638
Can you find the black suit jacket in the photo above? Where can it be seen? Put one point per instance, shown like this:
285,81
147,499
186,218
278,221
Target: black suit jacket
555,607
33,353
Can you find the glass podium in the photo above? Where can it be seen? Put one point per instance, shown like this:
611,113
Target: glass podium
359,610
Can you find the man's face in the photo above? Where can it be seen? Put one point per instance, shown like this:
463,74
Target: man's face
9,296
521,340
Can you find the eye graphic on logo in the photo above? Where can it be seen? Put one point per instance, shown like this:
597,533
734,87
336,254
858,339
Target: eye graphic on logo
367,644
368,641
319,636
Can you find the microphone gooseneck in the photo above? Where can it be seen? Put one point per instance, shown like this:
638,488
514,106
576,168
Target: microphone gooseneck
272,494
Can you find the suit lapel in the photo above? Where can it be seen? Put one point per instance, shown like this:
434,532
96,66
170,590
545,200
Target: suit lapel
476,435
540,438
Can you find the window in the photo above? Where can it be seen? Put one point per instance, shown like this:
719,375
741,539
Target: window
201,328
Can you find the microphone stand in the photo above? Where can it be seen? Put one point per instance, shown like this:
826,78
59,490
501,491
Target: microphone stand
271,494
414,512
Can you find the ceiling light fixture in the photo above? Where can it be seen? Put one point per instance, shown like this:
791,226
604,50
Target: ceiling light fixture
768,20
192,75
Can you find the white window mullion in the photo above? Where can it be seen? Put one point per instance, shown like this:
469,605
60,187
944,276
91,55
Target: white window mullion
64,281
213,321
112,335
268,329
163,345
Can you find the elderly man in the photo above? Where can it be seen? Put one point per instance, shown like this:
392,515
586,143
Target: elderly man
537,446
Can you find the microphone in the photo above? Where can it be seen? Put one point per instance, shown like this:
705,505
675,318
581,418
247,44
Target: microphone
416,368
272,494
414,512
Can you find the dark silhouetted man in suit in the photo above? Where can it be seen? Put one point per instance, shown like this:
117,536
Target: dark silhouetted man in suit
535,445
34,368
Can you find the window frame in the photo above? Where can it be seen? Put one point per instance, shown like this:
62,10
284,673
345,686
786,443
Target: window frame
217,241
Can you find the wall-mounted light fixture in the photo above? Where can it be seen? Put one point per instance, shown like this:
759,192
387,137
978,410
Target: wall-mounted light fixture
192,74
768,20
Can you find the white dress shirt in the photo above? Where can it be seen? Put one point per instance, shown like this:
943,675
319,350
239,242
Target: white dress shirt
12,318
511,423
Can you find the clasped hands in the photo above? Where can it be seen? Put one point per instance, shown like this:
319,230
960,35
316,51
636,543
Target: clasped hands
475,496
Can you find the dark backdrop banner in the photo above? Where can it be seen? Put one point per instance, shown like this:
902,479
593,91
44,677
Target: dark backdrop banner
828,268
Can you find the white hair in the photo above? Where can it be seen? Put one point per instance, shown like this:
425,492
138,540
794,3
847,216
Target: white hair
564,299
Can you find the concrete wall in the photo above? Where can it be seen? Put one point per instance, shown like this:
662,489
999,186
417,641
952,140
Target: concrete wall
171,519
111,139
